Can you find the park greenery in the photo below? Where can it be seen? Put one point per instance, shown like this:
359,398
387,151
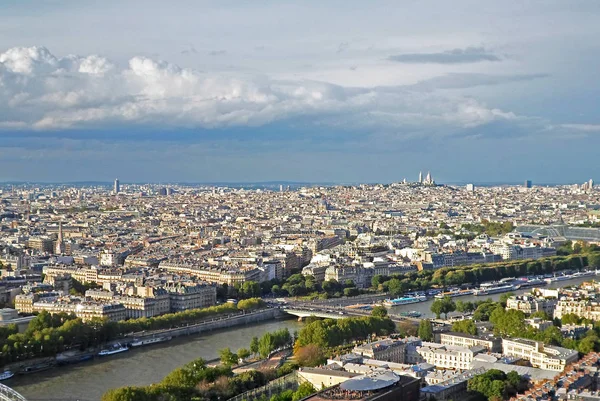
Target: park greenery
192,382
320,338
48,335
495,385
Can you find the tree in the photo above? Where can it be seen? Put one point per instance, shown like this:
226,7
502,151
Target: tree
540,314
425,330
304,390
570,318
309,355
491,384
504,298
250,304
484,310
396,287
243,353
254,345
594,259
266,345
227,357
465,307
379,311
444,305
466,326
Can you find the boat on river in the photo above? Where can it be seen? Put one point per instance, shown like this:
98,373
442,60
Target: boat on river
7,374
494,288
150,341
405,300
454,293
115,349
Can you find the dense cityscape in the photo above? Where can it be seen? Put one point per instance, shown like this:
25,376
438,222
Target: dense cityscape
89,272
299,200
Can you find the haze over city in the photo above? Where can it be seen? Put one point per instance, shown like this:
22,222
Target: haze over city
336,92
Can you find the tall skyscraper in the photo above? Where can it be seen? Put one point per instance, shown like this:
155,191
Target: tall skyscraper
528,184
591,184
116,187
420,177
470,187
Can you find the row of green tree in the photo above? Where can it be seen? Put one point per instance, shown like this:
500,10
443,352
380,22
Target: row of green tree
262,346
49,334
296,285
479,273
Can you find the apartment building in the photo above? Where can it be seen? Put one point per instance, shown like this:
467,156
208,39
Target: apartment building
383,350
449,356
220,275
531,303
183,297
583,308
538,354
492,344
85,310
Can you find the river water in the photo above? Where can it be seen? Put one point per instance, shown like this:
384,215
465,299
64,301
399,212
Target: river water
87,381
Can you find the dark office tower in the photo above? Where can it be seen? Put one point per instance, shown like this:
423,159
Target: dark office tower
117,186
528,184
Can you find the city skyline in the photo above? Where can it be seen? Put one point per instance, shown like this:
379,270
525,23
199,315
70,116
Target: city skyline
268,91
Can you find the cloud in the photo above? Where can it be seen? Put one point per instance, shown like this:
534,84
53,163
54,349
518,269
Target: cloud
454,56
217,52
470,80
39,90
582,127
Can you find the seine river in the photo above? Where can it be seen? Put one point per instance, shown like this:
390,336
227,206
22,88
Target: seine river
89,380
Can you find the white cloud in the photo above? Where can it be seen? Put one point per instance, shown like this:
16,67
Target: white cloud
42,91
582,127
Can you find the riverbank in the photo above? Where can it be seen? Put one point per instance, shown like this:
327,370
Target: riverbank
425,307
34,366
87,381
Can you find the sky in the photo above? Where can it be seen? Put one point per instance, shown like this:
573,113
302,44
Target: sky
337,91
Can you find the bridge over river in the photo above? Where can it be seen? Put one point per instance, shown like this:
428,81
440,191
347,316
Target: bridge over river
8,394
335,312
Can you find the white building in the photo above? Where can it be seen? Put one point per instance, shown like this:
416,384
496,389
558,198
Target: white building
538,354
449,356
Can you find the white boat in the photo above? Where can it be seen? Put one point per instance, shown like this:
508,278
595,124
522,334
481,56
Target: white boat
558,278
404,300
454,293
7,374
533,282
149,341
584,274
115,349
488,289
